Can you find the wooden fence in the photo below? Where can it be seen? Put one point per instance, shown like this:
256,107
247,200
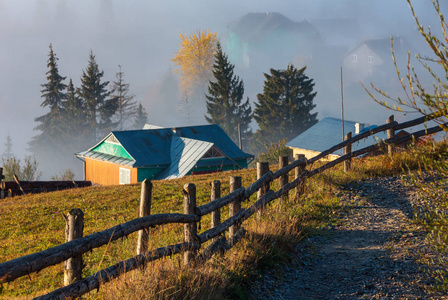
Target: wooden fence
76,245
17,187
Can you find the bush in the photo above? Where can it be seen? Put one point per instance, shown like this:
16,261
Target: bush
26,171
274,151
67,174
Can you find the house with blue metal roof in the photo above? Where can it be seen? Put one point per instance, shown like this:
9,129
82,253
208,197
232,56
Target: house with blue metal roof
327,133
131,156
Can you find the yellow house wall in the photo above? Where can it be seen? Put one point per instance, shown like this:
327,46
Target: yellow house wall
106,173
310,154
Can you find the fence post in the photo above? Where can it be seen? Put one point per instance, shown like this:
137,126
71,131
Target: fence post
74,225
190,229
262,168
235,206
215,215
348,150
283,161
390,134
298,171
145,210
2,192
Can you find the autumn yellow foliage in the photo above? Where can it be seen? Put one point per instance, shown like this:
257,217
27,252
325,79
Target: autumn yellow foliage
195,59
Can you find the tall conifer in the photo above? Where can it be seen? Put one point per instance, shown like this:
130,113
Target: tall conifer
51,138
75,121
224,99
141,117
284,108
127,106
99,106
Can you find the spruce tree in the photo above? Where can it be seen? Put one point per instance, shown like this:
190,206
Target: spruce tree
284,108
100,107
8,148
126,104
75,121
52,136
141,117
224,99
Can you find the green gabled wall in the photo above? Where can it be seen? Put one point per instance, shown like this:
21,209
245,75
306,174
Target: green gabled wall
112,149
149,173
241,162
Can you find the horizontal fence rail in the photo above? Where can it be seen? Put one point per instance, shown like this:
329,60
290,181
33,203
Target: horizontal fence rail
25,265
35,262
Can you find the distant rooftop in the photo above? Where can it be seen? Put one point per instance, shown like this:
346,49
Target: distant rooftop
328,132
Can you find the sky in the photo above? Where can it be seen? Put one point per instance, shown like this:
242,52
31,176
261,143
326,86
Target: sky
142,36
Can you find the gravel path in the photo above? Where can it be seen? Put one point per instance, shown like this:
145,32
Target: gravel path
371,254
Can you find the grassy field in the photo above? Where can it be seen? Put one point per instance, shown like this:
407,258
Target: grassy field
35,222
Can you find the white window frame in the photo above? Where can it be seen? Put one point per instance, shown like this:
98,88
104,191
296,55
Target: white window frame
125,176
370,59
355,58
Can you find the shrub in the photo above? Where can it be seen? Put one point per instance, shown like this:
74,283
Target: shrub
26,171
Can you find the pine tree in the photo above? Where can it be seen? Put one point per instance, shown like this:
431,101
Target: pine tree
8,148
284,108
51,124
99,106
126,104
75,121
141,117
224,99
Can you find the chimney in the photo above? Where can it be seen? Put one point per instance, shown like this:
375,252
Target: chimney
359,127
177,131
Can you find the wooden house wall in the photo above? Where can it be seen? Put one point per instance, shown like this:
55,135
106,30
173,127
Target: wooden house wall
106,173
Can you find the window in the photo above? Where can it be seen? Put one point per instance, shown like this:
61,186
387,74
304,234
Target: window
112,139
355,58
125,176
212,153
370,59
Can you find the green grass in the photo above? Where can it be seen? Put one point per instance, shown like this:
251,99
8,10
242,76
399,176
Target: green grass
34,222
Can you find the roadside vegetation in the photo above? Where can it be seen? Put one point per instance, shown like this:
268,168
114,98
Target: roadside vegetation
428,100
34,222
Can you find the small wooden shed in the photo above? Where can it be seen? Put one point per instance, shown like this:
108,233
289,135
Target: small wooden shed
124,157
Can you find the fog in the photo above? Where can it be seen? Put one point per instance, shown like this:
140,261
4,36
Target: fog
142,37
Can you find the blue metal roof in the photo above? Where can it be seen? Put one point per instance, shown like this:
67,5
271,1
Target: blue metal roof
147,147
328,132
107,157
179,149
185,153
214,134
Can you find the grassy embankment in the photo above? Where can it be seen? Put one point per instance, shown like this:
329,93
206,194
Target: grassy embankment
34,222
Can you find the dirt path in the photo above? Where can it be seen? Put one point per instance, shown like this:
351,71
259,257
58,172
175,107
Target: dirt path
372,254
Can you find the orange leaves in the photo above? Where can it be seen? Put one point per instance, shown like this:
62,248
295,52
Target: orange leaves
195,58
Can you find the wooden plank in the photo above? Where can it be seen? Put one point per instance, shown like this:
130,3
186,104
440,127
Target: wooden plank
220,202
144,210
282,163
262,181
74,227
298,170
190,229
18,183
390,134
215,194
235,206
347,150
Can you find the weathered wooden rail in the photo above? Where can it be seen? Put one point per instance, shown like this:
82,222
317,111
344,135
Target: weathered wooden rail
14,188
25,265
